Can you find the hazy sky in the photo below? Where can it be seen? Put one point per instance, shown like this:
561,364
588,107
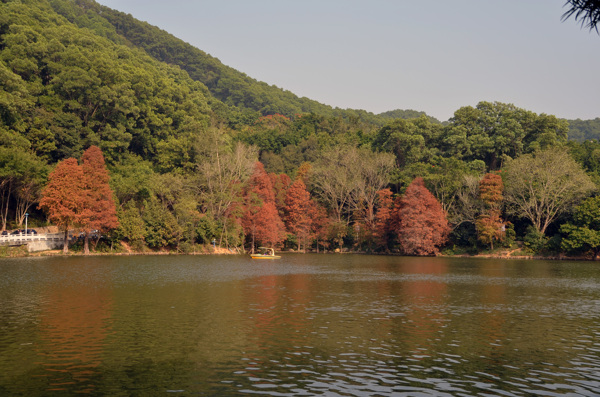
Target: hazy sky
378,55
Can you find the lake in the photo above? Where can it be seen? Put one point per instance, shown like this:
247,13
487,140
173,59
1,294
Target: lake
314,324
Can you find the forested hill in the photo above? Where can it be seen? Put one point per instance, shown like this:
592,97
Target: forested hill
65,88
406,114
584,130
247,95
225,83
75,74
189,141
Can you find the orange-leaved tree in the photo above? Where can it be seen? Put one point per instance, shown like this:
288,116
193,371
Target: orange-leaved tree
299,212
261,220
490,189
280,184
79,196
320,224
423,226
489,227
100,211
62,198
489,224
382,230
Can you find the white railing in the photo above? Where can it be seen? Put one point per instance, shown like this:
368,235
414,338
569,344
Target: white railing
22,239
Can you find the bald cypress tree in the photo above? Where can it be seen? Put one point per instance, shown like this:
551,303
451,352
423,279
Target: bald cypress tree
489,224
62,197
383,216
423,227
260,220
99,211
298,212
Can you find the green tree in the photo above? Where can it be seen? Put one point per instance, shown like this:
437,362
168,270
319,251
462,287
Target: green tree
222,169
584,130
544,185
22,175
587,154
162,229
583,234
131,179
371,174
496,132
131,225
333,181
347,179
411,141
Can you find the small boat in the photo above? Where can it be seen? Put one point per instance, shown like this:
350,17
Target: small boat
265,253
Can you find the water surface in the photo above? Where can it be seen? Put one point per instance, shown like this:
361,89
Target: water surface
335,325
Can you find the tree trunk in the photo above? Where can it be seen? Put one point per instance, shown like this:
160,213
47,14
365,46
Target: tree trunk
5,200
86,244
66,244
96,240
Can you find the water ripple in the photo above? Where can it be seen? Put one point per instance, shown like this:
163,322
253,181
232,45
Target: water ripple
309,325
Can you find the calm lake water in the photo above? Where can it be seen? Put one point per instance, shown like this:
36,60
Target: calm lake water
333,325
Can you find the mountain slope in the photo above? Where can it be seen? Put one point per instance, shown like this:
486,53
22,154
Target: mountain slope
225,83
64,88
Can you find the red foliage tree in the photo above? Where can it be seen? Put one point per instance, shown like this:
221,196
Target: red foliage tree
490,189
260,220
423,226
489,227
320,224
280,184
80,196
395,216
261,184
63,198
268,227
273,121
298,212
381,228
99,212
489,223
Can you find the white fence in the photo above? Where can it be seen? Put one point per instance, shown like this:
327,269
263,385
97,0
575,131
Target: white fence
35,242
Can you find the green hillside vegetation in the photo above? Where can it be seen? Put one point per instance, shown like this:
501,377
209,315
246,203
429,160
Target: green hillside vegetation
584,130
405,114
249,97
181,134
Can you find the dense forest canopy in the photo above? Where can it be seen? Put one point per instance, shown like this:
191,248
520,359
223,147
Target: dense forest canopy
199,152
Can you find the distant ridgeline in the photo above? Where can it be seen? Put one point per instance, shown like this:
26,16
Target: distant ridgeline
228,85
584,130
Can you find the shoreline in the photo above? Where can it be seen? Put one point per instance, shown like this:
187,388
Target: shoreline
19,252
